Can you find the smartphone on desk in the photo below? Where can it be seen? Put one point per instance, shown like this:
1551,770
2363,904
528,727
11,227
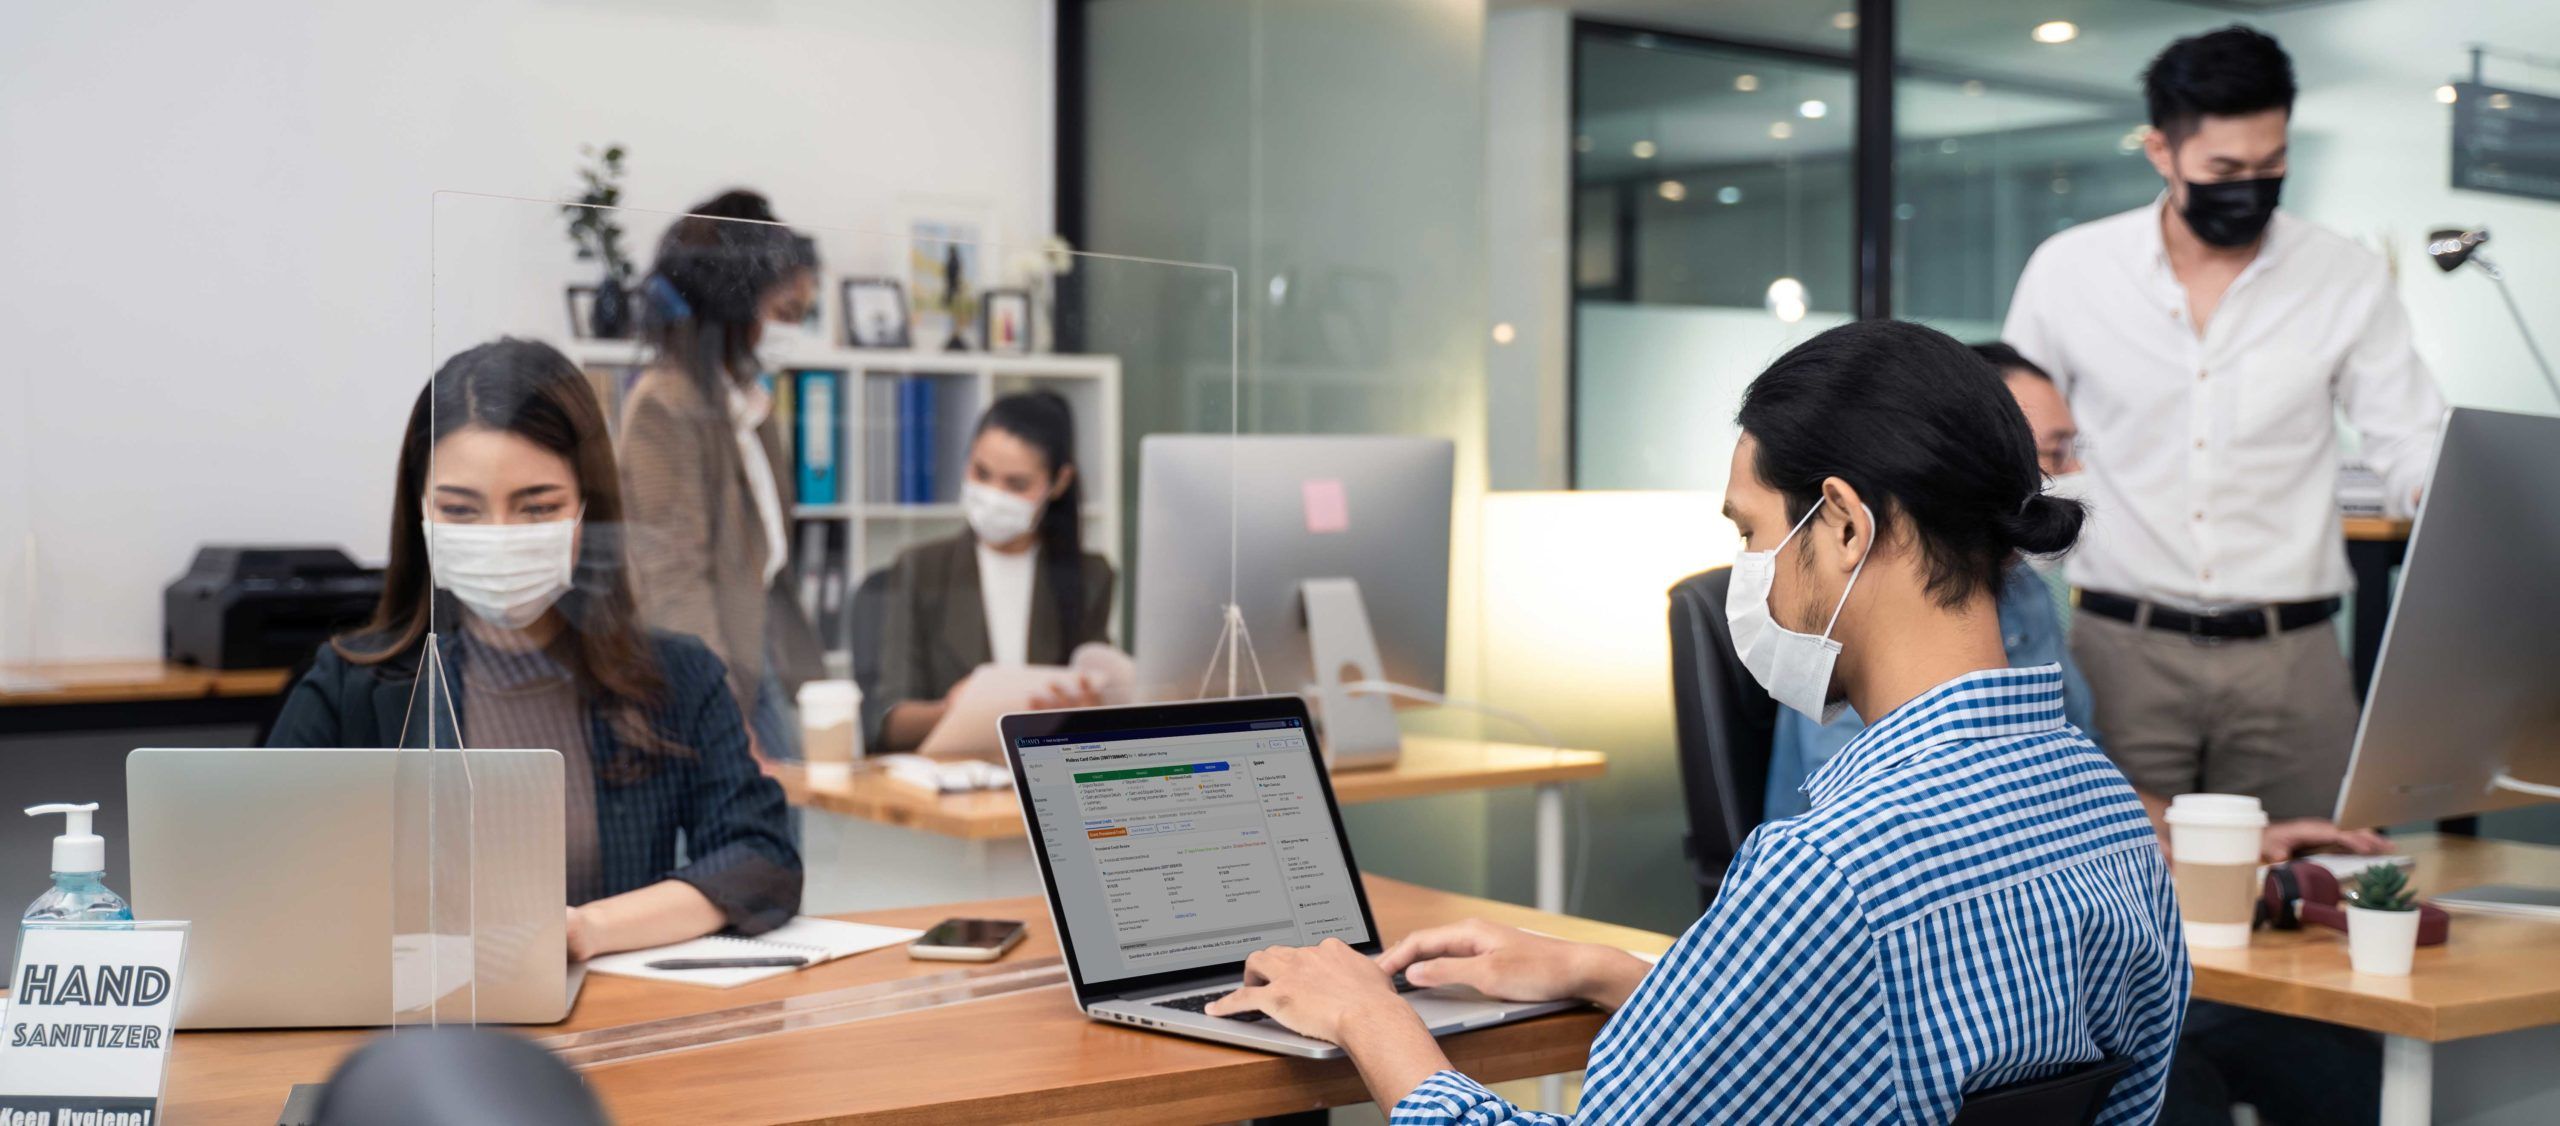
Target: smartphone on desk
967,940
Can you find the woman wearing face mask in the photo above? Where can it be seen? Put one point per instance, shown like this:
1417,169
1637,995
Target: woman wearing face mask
1975,898
710,489
1017,588
504,543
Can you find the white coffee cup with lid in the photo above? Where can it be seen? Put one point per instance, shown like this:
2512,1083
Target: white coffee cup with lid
2213,858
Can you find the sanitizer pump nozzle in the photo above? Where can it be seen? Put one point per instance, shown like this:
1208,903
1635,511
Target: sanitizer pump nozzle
79,893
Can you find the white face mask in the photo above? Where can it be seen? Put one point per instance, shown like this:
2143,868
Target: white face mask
785,341
997,516
509,574
1794,667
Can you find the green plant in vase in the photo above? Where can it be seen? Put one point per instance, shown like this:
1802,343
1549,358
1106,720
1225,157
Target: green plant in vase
593,229
2383,887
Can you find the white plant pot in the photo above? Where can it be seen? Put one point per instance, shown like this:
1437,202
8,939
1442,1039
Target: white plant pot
2381,942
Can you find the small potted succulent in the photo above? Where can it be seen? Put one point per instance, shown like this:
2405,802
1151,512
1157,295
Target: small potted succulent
2382,921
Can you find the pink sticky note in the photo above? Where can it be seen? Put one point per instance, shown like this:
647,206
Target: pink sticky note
1327,511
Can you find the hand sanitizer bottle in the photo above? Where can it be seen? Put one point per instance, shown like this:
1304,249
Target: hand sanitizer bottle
79,893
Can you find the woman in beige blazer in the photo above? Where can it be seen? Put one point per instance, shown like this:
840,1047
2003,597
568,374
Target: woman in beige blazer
1017,588
708,487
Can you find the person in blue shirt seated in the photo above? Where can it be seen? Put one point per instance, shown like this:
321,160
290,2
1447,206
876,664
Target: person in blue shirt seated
2031,628
506,544
1975,898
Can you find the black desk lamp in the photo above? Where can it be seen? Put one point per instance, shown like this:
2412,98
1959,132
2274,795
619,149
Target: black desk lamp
2451,248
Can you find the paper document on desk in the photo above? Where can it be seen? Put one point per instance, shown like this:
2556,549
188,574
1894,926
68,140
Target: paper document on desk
968,724
819,940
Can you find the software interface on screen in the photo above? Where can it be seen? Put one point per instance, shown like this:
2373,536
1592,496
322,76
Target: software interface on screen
1181,847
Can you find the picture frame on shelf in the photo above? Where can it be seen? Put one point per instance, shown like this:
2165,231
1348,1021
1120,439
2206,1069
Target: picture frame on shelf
875,313
1005,321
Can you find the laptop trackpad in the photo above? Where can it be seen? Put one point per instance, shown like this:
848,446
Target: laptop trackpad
1452,1007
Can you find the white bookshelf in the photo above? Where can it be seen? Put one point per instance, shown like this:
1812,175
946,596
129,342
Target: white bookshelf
878,525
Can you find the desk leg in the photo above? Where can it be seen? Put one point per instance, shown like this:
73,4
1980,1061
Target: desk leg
1551,898
2408,1081
1551,848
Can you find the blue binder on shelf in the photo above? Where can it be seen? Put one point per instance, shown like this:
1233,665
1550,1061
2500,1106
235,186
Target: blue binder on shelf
916,408
818,454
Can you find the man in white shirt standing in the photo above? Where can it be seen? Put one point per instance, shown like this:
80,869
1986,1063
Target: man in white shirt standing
2208,344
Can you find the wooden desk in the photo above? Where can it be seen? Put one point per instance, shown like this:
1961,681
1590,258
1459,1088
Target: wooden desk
1025,1056
129,682
2494,975
1430,765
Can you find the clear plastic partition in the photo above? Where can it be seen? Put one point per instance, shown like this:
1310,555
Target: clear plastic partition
717,497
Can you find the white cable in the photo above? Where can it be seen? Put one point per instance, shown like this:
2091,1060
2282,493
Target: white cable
2506,781
1581,816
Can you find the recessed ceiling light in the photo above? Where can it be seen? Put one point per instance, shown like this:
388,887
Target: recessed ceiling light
1973,87
2062,185
2131,142
1672,190
1643,150
1728,194
1780,130
1844,21
1813,108
2501,101
1746,82
1503,333
2056,31
2446,93
1949,146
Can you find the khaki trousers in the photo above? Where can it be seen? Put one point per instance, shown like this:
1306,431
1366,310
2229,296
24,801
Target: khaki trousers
2271,717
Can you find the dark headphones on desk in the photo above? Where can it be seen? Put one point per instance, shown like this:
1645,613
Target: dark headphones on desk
2301,893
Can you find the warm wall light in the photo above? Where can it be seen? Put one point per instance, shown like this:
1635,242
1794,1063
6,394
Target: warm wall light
1746,82
1672,190
1786,300
1780,130
1643,150
1813,108
1503,333
2447,94
1844,21
2056,31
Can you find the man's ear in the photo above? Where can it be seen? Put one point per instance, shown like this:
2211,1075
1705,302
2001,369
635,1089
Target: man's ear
1845,523
2164,160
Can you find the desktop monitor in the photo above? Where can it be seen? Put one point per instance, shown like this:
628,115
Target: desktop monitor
1271,513
2462,716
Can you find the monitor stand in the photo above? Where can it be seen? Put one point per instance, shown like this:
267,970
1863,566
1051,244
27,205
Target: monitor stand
1359,728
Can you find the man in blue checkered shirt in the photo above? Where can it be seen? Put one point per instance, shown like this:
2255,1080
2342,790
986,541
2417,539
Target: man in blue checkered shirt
1976,897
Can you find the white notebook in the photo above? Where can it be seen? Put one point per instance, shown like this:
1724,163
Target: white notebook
818,940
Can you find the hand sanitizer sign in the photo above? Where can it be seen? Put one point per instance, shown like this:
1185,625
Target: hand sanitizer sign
85,1038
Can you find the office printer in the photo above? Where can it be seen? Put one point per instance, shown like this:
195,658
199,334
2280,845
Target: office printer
245,607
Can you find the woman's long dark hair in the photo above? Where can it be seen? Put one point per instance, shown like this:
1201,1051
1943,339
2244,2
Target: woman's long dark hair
527,389
1044,421
699,304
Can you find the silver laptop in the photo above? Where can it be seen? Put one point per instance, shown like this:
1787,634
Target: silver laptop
1175,839
305,874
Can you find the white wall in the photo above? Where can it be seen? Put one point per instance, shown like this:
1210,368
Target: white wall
1528,68
214,237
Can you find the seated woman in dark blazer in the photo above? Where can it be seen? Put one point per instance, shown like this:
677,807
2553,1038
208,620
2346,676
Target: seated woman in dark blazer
507,484
1017,588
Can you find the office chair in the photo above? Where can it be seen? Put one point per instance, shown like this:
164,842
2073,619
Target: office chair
456,1077
2072,1098
1725,724
870,601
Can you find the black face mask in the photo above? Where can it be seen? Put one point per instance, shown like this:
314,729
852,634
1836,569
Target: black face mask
2233,212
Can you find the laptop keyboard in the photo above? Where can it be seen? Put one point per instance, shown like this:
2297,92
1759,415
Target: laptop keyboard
1197,1002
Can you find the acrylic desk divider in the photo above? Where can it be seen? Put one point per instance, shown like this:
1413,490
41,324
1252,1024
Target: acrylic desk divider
623,1043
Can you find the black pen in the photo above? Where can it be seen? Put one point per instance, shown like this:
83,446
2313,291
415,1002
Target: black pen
727,963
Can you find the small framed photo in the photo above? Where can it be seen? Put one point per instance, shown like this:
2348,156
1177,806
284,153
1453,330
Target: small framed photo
1005,320
875,313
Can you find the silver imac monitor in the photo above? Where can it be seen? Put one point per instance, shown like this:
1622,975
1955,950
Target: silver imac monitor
2463,715
305,877
1274,513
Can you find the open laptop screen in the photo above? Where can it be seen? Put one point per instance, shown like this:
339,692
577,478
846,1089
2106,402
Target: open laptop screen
1179,847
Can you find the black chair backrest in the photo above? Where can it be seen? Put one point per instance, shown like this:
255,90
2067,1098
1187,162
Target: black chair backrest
2072,1098
1725,720
455,1077
870,601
